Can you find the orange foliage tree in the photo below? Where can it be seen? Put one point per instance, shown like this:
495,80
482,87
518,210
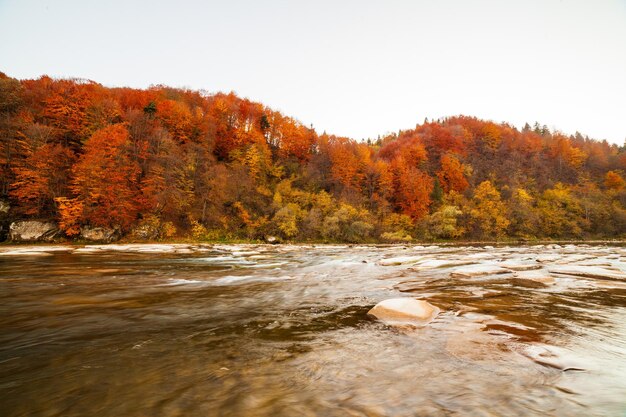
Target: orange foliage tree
41,177
297,140
452,174
347,159
106,180
66,108
176,118
614,181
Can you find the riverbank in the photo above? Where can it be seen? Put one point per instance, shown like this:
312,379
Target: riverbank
502,242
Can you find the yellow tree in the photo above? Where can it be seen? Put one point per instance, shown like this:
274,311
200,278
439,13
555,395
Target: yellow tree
287,218
488,214
523,214
560,212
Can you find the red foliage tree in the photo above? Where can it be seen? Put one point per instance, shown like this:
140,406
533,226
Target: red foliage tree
441,138
412,189
106,179
297,140
176,118
66,108
347,162
409,146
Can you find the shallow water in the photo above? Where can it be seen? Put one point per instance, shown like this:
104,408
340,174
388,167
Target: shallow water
246,330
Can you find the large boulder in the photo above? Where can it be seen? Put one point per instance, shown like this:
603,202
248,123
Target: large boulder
99,234
404,312
33,231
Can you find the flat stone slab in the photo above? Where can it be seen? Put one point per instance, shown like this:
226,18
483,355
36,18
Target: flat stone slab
521,266
440,263
537,276
400,260
404,312
589,272
477,271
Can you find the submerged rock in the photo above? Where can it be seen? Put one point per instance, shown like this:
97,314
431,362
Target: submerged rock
469,342
99,234
552,357
33,231
404,312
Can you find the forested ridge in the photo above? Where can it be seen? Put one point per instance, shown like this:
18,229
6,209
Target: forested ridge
166,163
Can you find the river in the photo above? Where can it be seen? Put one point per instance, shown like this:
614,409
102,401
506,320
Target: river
259,330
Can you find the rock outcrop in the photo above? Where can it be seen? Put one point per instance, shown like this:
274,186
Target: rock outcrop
145,232
33,231
99,234
404,312
274,240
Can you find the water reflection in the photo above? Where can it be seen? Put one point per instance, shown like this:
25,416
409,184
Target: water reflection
266,331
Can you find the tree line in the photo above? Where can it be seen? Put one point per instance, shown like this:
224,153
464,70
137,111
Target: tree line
162,163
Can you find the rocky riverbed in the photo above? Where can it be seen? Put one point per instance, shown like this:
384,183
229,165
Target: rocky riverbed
260,330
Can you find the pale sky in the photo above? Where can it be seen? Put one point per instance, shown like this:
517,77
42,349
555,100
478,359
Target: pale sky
352,68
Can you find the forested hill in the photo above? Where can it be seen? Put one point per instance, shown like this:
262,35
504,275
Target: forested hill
164,163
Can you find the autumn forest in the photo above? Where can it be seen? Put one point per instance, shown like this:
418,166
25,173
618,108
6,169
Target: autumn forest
166,163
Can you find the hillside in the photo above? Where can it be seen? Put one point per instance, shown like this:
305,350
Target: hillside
163,163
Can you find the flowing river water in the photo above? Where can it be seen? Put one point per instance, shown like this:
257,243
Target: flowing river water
256,330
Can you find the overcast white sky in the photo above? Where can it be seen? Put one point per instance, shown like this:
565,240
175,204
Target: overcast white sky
353,68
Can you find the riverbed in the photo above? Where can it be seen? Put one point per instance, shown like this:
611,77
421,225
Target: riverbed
283,330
